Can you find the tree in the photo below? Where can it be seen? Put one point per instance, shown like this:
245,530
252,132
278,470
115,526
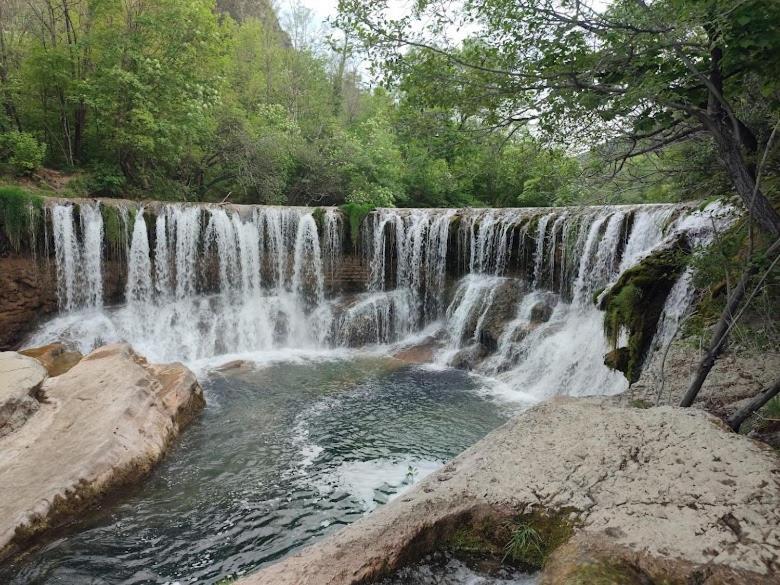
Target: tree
634,78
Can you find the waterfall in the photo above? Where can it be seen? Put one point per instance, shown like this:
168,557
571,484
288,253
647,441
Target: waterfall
139,265
79,263
516,286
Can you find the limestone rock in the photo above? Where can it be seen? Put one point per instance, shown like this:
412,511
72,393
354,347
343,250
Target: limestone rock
55,357
659,491
20,379
103,424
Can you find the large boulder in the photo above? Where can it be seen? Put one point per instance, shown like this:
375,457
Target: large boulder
103,424
618,495
20,380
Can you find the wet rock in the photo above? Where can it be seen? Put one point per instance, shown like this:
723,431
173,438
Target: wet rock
618,359
540,313
56,358
104,423
645,492
469,358
422,353
20,381
502,310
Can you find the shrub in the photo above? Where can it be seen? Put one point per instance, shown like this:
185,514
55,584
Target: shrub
20,215
22,152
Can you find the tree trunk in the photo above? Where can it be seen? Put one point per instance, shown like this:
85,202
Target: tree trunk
735,420
720,334
752,197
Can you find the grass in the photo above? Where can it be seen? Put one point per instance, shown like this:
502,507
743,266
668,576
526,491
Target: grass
525,545
21,215
356,213
525,541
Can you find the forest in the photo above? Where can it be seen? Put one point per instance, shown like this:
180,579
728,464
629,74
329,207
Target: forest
195,101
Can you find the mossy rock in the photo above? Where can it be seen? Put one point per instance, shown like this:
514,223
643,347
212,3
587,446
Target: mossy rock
635,304
618,359
356,213
524,541
318,214
604,573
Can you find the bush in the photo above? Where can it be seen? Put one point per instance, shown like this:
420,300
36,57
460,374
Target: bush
20,216
22,152
106,180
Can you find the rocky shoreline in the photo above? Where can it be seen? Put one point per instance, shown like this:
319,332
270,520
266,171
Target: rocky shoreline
639,495
69,440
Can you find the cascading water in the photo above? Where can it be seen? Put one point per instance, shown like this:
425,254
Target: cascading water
297,448
210,281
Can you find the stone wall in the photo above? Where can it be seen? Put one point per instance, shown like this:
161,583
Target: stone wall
29,293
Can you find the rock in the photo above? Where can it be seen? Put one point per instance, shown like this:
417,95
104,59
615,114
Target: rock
55,358
422,353
540,313
501,311
20,380
736,376
618,359
647,491
469,358
104,424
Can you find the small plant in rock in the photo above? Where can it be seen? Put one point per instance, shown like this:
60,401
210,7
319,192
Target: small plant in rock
525,545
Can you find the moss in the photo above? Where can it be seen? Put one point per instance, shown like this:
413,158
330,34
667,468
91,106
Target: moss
319,218
524,541
639,403
21,214
112,226
356,213
636,301
603,573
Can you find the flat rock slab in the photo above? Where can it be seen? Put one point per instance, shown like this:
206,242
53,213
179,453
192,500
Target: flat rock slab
102,424
20,378
666,490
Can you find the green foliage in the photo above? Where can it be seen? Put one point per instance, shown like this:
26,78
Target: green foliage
772,409
356,213
113,226
318,214
22,152
525,541
21,215
525,545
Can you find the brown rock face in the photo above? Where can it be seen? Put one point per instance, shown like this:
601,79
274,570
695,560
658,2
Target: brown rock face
55,358
655,495
29,292
104,423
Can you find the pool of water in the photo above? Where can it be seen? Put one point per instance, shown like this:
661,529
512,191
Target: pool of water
442,569
283,454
